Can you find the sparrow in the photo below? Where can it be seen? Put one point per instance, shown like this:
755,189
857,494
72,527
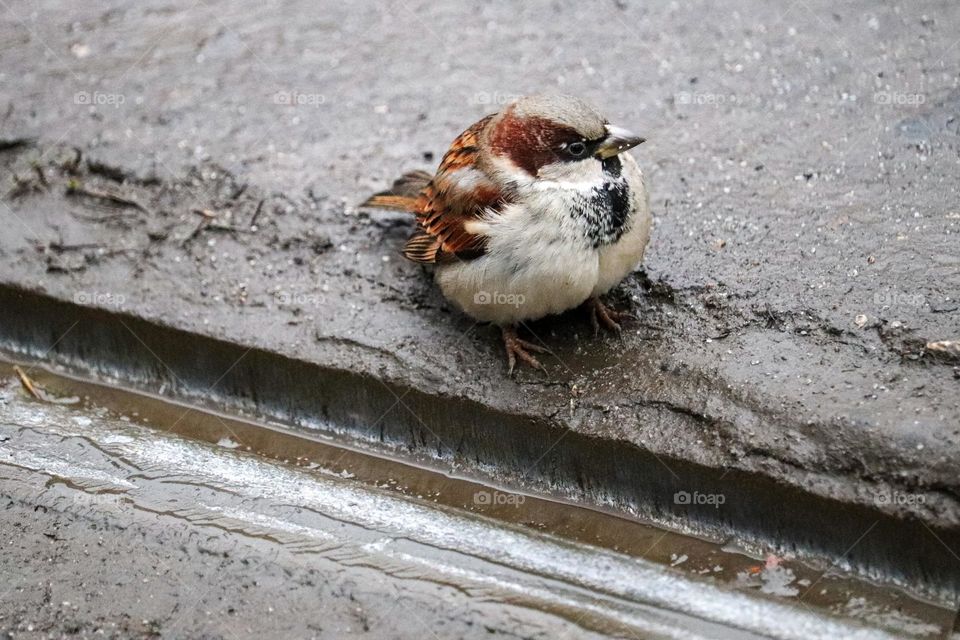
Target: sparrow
534,210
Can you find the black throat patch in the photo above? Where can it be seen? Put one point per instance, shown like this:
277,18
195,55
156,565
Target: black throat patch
606,209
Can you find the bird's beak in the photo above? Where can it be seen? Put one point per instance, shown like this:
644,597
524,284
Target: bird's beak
617,141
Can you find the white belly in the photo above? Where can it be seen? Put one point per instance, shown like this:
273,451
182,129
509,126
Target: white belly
535,266
539,261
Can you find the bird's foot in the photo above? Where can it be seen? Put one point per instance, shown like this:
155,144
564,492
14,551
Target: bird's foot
518,348
601,314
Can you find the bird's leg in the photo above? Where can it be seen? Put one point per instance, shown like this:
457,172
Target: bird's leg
601,314
517,348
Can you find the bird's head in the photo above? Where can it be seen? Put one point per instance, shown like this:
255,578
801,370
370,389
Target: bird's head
554,138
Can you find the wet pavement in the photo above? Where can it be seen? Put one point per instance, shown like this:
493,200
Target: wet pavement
377,541
103,542
197,165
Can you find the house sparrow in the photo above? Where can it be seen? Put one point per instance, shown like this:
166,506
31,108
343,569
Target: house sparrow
534,210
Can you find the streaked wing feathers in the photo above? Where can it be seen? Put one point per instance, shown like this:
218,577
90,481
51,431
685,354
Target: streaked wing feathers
458,193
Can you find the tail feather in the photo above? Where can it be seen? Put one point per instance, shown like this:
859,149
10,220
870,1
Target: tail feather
403,194
387,201
411,183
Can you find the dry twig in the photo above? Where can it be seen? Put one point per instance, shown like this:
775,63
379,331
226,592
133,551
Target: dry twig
27,383
76,188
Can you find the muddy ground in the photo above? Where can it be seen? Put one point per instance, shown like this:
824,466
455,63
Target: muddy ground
804,162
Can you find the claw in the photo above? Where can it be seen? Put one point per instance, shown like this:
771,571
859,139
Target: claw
518,348
609,318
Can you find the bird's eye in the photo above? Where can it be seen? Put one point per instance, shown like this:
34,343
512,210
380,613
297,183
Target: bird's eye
577,149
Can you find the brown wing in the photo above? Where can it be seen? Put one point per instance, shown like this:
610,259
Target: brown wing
444,204
458,193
